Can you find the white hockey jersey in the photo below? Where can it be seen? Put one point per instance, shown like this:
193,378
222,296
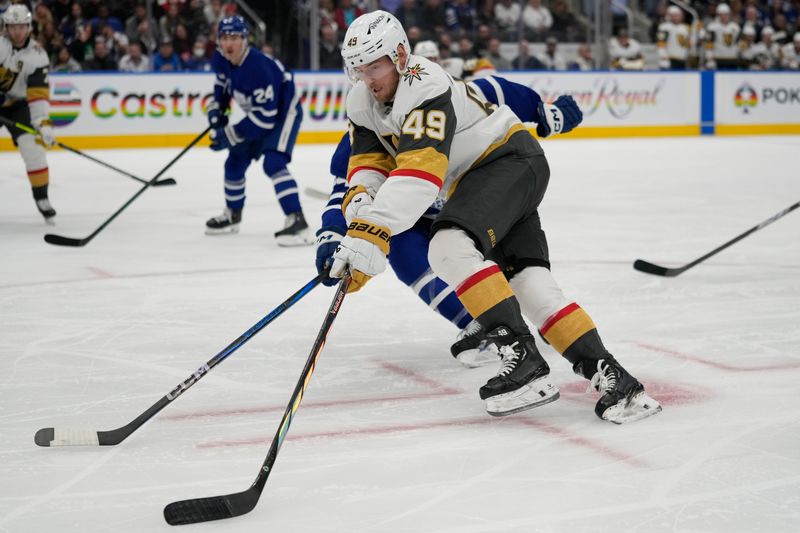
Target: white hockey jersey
415,149
722,40
674,41
23,76
626,57
790,56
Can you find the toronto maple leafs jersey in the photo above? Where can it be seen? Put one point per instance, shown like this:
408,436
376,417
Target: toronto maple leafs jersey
23,76
416,148
261,86
674,41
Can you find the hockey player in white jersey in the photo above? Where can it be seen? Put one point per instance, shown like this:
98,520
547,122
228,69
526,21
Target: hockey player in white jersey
674,41
722,45
418,134
24,98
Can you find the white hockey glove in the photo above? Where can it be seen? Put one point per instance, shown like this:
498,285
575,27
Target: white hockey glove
363,252
354,200
46,133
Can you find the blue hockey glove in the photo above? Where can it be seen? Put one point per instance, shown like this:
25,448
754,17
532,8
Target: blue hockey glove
328,239
216,116
224,138
561,116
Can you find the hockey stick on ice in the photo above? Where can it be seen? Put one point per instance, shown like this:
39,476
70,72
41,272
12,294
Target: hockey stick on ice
230,505
32,131
316,193
69,241
650,268
76,437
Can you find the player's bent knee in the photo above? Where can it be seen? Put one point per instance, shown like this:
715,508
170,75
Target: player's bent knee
275,164
34,155
453,256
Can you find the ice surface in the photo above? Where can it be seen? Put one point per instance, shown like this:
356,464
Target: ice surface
391,436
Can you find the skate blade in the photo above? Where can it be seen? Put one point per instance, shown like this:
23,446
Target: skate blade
299,239
639,407
222,231
476,358
535,394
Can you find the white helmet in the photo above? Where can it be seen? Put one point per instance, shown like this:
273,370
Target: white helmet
17,14
427,49
370,37
674,10
723,9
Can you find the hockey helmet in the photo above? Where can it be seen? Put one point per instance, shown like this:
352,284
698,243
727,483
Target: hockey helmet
17,14
370,37
723,9
427,49
234,25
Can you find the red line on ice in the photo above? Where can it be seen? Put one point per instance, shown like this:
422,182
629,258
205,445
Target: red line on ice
715,364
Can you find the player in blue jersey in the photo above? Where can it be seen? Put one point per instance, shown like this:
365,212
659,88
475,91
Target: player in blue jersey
265,91
409,250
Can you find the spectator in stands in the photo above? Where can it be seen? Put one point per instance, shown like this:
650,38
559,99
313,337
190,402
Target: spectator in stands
753,19
507,15
82,46
64,62
326,16
104,17
42,16
584,61
466,49
102,60
346,13
91,8
214,12
409,15
49,39
536,21
791,53
59,9
551,58
195,19
779,7
434,20
625,52
783,29
525,61
461,16
69,26
146,34
166,60
493,55
134,60
566,27
169,21
414,35
200,60
330,51
117,42
390,5
132,22
181,42
482,39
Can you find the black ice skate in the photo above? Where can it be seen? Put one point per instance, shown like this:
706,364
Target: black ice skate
523,380
227,222
295,231
622,396
47,211
471,348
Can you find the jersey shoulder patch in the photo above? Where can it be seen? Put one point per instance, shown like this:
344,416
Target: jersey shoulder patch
421,81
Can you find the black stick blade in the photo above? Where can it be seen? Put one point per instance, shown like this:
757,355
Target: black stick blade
650,268
165,181
60,240
44,437
208,509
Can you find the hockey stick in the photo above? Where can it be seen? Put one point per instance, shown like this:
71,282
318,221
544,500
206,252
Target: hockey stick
69,241
316,193
28,129
230,505
650,268
77,437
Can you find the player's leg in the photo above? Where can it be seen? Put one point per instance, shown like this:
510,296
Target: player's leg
35,157
486,205
239,158
277,155
409,260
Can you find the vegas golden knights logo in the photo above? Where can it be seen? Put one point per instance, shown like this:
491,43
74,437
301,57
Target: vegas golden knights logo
727,39
414,73
353,41
7,79
683,41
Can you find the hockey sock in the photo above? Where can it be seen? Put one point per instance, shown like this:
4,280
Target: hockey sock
234,194
488,297
40,192
572,333
286,192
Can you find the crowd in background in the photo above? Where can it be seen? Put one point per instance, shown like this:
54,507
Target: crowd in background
180,35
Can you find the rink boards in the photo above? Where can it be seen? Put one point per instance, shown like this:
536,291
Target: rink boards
149,110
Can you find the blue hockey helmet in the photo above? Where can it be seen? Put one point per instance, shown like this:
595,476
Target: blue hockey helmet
233,26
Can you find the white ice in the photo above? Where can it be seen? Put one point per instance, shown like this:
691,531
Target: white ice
391,436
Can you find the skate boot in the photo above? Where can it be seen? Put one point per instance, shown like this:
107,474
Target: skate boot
295,231
523,380
47,211
623,398
471,348
227,222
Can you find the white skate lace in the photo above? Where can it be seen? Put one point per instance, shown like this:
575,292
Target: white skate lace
602,380
510,358
471,329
